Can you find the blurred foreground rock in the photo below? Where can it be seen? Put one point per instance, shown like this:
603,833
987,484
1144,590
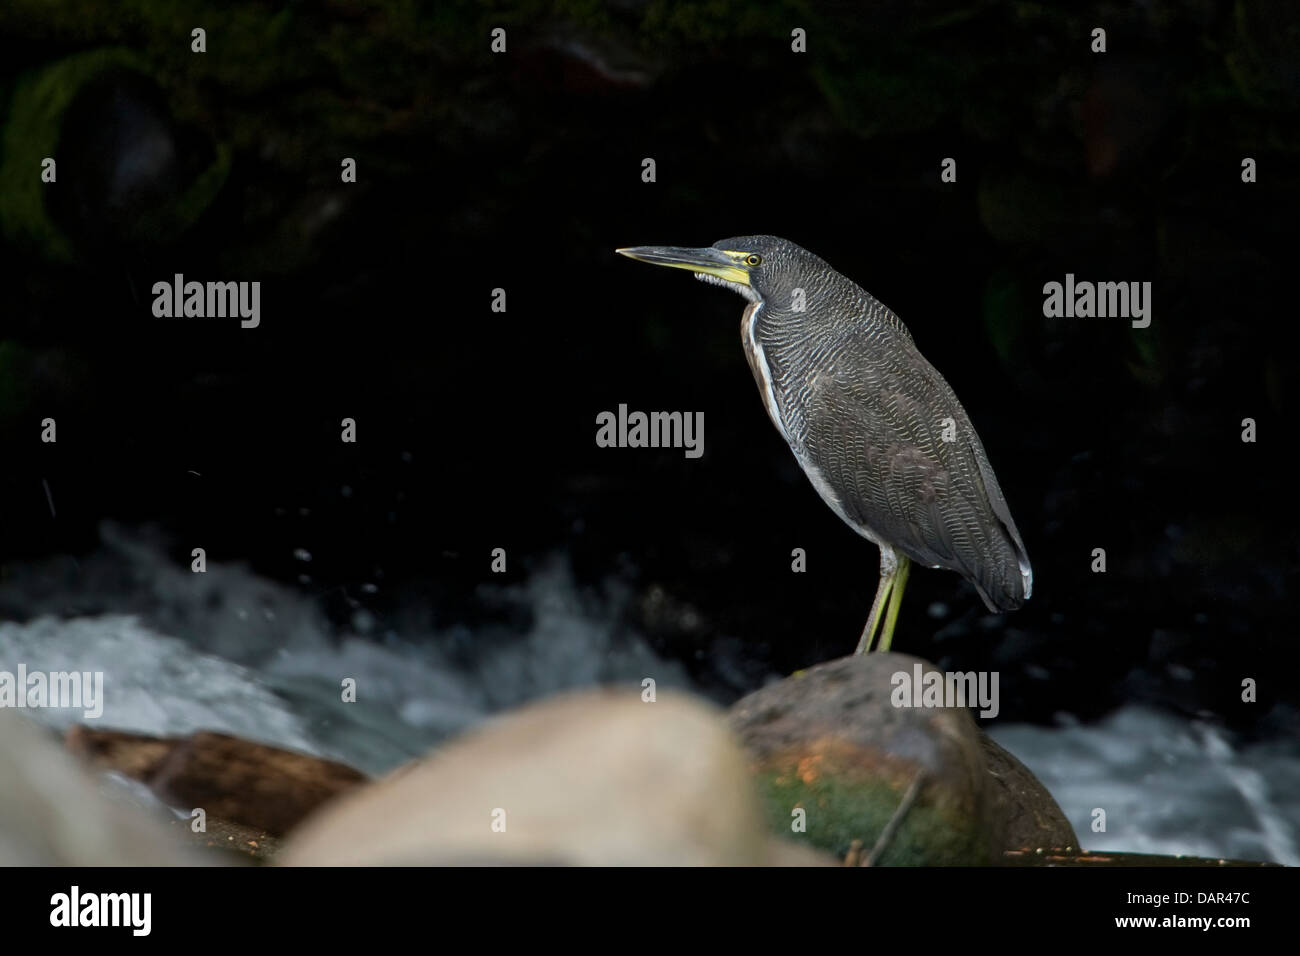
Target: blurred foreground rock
592,778
893,785
53,813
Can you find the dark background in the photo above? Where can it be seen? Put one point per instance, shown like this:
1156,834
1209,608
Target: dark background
522,171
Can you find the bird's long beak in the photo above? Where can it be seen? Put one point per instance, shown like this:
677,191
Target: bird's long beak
724,265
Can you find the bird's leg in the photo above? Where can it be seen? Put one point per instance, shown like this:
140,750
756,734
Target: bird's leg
888,566
895,600
873,620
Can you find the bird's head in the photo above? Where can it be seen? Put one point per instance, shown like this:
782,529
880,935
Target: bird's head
761,268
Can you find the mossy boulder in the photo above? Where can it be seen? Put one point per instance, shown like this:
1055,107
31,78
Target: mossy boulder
830,742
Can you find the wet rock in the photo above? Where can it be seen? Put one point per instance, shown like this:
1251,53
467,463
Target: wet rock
236,842
52,813
137,756
896,785
250,783
592,778
1033,818
1074,857
237,781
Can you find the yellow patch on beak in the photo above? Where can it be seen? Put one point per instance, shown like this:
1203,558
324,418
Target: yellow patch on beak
726,265
730,273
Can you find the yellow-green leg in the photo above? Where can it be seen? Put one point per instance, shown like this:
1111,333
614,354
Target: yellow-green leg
895,601
893,576
877,607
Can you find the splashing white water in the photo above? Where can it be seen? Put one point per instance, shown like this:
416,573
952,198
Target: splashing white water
228,651
1167,785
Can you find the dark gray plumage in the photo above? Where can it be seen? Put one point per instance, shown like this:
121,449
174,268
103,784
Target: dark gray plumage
866,416
864,407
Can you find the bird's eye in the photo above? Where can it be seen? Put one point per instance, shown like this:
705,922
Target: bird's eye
753,259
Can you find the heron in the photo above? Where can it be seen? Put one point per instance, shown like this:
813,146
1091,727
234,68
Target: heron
875,427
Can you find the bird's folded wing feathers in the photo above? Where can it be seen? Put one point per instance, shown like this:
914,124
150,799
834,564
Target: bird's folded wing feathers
876,434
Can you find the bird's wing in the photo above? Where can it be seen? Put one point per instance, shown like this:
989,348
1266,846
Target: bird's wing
875,430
